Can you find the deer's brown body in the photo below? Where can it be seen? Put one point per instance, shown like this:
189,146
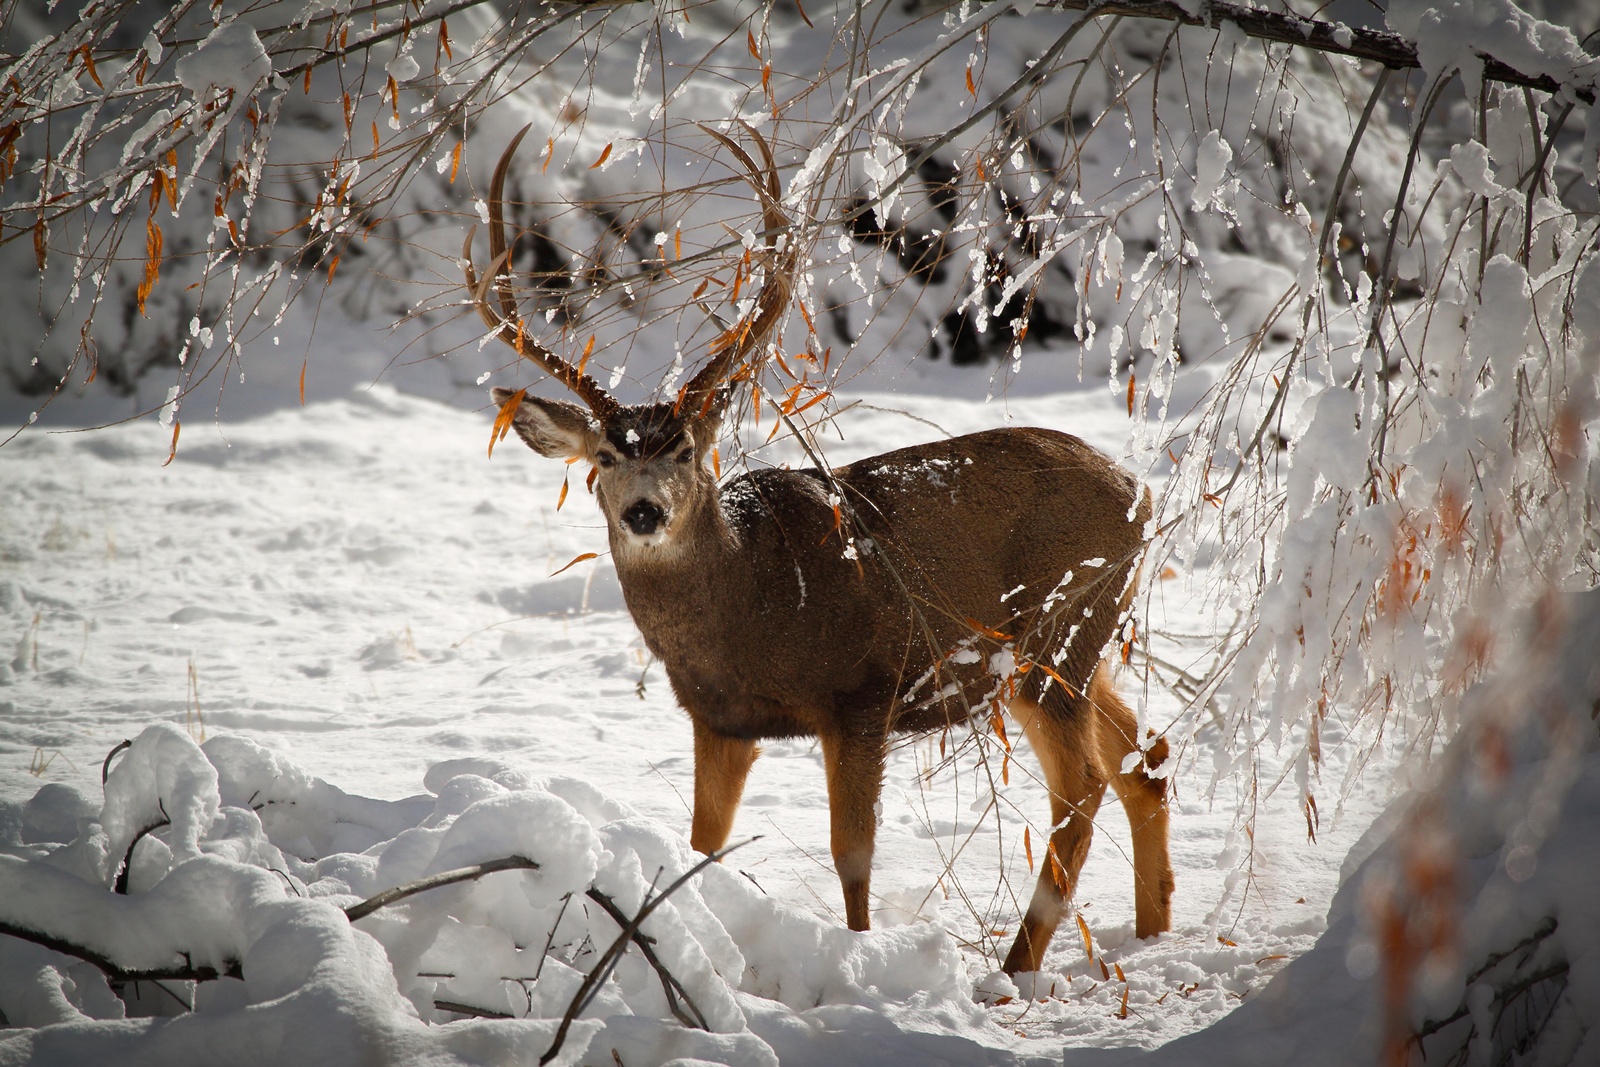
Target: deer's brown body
909,591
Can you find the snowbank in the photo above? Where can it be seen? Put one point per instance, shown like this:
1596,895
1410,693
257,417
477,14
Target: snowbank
224,885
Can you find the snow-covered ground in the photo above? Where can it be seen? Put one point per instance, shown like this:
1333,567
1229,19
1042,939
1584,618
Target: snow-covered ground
354,587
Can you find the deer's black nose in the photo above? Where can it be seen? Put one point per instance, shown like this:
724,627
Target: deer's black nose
642,517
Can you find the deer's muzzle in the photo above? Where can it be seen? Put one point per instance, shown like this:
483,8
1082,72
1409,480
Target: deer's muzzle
643,516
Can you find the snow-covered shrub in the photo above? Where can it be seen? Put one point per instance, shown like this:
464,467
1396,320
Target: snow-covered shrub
1466,929
236,915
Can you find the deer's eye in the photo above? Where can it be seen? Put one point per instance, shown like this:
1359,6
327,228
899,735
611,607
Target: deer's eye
686,455
605,459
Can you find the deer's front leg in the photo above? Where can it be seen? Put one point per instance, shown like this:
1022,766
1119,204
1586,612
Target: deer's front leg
855,778
721,765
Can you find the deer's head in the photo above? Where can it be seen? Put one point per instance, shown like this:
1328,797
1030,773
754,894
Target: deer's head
648,459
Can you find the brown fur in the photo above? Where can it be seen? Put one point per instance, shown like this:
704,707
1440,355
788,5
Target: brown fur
776,617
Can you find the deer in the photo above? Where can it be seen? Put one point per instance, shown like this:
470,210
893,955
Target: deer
911,592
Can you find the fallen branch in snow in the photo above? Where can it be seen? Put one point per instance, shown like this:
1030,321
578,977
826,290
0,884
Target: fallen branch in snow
468,1009
120,886
185,973
602,970
670,985
692,1017
434,881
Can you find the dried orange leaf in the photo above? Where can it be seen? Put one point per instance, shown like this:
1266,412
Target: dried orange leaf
579,558
971,88
455,162
605,154
503,420
1083,928
303,380
562,499
88,62
750,39
173,452
1027,847
986,631
1131,379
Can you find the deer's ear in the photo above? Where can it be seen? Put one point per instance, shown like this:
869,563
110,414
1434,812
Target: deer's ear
552,428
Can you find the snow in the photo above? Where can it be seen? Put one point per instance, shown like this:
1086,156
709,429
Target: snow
346,651
388,685
231,57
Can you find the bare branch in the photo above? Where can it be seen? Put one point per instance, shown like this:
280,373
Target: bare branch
461,874
185,972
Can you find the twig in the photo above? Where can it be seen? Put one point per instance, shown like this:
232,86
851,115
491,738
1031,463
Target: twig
670,985
468,1009
126,868
461,874
608,960
105,767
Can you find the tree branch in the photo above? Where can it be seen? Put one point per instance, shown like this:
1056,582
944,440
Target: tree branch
1390,49
461,874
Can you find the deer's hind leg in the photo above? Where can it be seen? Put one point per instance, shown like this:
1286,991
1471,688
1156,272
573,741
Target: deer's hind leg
1144,799
1061,731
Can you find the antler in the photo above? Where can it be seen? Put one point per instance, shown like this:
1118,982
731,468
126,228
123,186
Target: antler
749,334
506,323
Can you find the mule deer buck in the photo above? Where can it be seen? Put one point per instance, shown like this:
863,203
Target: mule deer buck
908,592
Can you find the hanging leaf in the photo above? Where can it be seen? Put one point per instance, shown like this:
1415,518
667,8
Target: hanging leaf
1083,928
1130,391
1027,847
88,63
172,453
579,558
303,380
605,154
152,261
